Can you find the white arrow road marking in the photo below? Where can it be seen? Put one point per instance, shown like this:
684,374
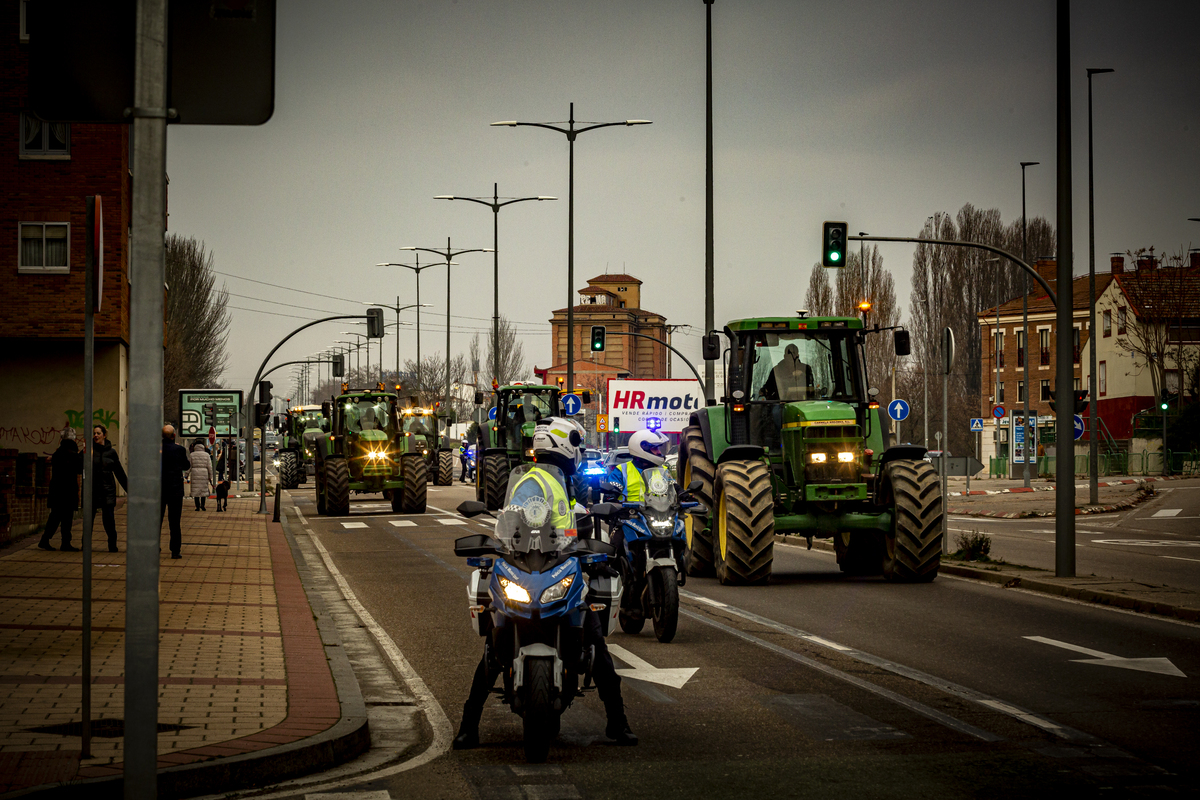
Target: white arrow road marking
402,523
1167,512
674,677
1161,666
453,521
354,524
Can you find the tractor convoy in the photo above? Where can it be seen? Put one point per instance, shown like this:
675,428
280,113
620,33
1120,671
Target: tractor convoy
302,427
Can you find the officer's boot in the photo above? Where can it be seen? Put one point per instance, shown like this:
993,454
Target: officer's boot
618,726
468,729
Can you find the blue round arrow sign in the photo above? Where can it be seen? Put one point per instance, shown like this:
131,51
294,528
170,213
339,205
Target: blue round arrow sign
492,413
1078,427
898,410
571,404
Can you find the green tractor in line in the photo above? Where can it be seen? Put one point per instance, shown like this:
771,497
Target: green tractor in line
506,441
798,445
365,452
302,428
420,425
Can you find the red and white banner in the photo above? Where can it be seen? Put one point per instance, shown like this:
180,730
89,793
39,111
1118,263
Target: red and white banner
665,405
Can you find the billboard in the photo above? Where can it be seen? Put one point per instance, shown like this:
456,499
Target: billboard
227,403
665,404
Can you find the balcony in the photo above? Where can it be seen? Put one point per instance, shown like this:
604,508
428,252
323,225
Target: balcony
1045,357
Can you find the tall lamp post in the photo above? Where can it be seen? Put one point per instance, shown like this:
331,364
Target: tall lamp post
1093,445
571,132
495,205
997,352
359,344
448,254
416,268
1025,323
356,346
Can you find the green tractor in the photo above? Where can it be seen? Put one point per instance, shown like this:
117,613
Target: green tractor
507,440
798,445
365,452
421,435
302,427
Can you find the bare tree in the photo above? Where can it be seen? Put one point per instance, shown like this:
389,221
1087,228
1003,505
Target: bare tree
819,298
197,322
512,354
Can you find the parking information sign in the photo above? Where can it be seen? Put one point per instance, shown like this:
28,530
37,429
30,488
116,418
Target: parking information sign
227,404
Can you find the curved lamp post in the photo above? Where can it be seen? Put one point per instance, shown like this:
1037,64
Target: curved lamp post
417,268
495,205
571,132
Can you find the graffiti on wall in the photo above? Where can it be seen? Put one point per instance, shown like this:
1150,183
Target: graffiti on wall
20,435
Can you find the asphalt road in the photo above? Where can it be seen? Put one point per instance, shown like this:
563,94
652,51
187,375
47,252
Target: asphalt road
1157,542
815,684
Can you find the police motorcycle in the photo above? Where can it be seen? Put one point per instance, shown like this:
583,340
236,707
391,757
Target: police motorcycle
529,594
652,563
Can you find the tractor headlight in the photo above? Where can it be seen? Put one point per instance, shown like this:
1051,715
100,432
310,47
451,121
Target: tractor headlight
817,458
515,592
424,452
846,458
558,591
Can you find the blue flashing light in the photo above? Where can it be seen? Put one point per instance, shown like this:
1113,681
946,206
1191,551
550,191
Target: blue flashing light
653,423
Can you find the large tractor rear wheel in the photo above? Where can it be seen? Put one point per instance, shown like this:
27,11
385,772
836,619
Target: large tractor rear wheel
445,468
914,545
416,485
337,487
495,480
694,465
289,463
744,523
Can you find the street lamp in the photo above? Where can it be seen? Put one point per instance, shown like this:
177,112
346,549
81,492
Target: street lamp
495,205
417,268
398,308
448,254
1025,322
571,132
1093,445
996,354
357,350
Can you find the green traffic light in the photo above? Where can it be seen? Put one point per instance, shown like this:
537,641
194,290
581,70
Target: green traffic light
834,256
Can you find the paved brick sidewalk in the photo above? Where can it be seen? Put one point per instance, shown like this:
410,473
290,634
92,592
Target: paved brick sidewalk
242,666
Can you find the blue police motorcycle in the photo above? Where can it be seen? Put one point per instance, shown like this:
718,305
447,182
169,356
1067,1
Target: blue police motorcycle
528,596
652,547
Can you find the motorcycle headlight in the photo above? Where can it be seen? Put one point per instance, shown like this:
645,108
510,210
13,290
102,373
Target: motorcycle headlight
663,525
515,591
275,462
558,591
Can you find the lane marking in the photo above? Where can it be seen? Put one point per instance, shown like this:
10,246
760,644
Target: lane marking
1166,512
402,523
1181,558
1145,543
642,670
453,521
1159,666
354,524
908,672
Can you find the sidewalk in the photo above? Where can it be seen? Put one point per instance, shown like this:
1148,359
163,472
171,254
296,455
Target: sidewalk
1008,499
244,675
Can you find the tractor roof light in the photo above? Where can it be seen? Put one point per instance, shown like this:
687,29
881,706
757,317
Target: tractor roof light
864,306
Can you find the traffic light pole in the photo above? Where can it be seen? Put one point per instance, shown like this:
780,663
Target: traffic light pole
691,366
251,419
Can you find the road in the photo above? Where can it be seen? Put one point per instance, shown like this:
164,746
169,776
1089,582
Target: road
1157,542
816,683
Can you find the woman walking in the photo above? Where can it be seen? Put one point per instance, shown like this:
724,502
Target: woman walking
106,473
65,467
201,475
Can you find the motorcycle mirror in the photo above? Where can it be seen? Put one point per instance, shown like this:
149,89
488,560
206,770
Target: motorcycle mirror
471,508
477,544
605,510
694,486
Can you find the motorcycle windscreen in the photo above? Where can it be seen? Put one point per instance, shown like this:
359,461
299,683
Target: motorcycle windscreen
660,489
537,513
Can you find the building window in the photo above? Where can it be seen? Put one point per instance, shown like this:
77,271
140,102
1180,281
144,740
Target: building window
999,348
24,37
1044,348
1102,378
1020,348
1045,391
1077,384
44,139
999,392
1120,320
1075,346
1107,317
43,247
1020,391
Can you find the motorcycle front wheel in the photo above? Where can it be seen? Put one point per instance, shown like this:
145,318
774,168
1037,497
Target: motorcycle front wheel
666,611
541,720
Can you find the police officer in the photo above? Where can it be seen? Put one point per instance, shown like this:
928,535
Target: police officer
647,449
556,443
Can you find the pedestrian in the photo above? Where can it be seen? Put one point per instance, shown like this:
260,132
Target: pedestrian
65,467
174,463
107,472
201,474
220,464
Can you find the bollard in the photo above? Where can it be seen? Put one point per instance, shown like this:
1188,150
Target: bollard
276,517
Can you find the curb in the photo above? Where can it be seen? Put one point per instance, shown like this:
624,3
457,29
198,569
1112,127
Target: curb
1137,499
348,738
1022,489
1010,580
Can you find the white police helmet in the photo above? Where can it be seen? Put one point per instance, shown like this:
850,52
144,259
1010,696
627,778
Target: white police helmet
649,446
559,439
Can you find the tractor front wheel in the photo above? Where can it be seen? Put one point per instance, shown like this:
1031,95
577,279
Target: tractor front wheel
337,487
495,480
445,468
289,462
416,488
914,545
694,465
744,522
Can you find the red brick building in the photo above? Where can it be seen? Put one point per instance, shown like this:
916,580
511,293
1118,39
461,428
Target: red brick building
46,172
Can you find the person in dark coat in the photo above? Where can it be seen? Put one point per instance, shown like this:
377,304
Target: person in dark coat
107,472
175,462
65,467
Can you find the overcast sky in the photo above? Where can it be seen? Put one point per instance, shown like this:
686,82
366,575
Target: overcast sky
878,113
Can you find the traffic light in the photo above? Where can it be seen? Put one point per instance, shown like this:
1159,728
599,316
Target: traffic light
833,249
262,412
374,323
264,392
210,414
616,424
597,338
339,364
1079,400
1165,401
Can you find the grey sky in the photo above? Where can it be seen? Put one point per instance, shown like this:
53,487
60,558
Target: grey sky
876,113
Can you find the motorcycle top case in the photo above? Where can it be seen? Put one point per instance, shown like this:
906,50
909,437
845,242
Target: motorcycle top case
607,590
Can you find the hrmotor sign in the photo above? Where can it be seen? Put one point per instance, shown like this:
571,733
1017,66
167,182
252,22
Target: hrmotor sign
666,405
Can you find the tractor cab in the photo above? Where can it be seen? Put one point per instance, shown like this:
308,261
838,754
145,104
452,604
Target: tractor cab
420,430
368,423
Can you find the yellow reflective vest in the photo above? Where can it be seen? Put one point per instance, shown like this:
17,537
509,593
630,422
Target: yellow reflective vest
635,486
554,493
